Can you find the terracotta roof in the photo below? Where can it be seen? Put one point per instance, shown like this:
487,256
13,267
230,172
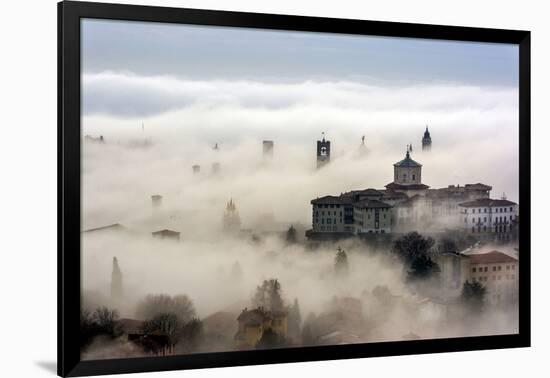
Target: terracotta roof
487,202
395,186
491,258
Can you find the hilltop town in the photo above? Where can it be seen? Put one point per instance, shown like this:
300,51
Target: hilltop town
452,250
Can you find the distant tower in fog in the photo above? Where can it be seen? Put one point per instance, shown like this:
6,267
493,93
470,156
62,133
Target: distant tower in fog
116,283
268,148
156,201
196,169
426,140
231,218
323,152
216,168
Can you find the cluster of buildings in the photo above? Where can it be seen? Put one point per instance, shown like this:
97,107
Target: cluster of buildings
407,204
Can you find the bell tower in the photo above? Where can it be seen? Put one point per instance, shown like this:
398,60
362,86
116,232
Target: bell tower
323,152
426,140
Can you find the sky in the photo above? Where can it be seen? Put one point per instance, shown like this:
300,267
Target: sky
193,86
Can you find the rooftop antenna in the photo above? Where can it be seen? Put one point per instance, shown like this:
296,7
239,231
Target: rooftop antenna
323,133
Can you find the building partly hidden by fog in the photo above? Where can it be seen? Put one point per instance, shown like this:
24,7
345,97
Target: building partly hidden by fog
407,204
231,219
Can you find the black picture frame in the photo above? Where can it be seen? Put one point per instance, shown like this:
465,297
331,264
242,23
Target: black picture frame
69,137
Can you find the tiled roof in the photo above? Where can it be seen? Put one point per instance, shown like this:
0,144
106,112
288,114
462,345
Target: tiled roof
493,257
478,186
330,200
407,162
395,186
371,204
487,202
165,232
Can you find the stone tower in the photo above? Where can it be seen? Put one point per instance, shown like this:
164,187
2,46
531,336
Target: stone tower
323,152
426,140
116,283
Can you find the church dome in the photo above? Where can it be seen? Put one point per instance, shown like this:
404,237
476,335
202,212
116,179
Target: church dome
407,162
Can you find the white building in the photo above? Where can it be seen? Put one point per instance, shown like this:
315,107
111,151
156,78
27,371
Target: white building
498,273
489,217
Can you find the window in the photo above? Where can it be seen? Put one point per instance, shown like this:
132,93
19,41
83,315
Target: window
473,230
499,267
494,268
485,210
414,176
511,208
486,268
507,267
473,270
329,221
473,211
484,219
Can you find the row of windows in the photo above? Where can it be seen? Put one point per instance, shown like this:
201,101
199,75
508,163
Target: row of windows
328,221
496,210
497,219
501,228
496,268
494,278
329,206
328,213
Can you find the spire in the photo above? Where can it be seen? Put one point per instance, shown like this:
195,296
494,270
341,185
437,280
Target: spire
323,133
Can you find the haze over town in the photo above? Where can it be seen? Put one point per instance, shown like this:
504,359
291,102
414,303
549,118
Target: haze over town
148,123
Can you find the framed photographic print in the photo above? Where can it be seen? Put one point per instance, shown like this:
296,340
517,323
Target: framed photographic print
239,188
